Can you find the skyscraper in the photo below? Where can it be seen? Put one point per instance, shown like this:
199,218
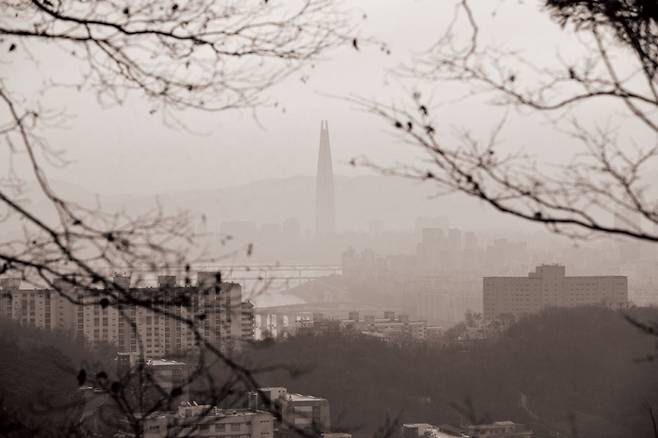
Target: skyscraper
325,215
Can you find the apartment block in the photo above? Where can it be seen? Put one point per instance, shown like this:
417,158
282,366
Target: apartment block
548,286
40,308
215,308
297,412
248,321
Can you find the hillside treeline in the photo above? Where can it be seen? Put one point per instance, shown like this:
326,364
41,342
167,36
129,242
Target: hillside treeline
39,376
582,372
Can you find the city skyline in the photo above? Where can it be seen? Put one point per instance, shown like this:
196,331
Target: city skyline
468,249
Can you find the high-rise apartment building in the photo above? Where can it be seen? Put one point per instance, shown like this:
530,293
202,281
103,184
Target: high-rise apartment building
40,308
248,321
215,307
548,286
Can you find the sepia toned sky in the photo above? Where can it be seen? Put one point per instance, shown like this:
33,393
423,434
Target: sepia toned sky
127,150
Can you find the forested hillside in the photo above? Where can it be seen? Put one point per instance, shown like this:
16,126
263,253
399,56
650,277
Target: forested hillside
586,370
38,378
582,370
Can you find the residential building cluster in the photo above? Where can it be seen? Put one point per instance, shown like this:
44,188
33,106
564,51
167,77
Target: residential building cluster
505,300
416,284
390,327
441,279
219,314
272,412
194,421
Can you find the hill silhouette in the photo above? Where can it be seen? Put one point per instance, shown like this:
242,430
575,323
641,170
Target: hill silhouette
38,378
559,371
392,203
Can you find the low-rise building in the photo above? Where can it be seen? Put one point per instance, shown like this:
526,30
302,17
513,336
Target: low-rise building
296,411
424,430
389,327
499,429
196,421
169,374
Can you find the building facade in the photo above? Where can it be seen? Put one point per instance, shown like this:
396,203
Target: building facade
424,430
42,308
192,420
296,411
498,429
548,286
215,308
248,321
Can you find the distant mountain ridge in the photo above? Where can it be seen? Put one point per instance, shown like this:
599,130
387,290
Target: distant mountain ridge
361,202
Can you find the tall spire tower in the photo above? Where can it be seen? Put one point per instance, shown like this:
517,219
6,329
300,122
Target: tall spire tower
325,214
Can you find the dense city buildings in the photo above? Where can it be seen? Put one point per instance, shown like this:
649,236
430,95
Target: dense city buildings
424,430
390,327
437,283
219,314
548,286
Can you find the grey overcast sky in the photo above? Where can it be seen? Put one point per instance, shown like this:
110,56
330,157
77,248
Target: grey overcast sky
126,150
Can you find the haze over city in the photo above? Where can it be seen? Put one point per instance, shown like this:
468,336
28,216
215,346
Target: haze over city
332,219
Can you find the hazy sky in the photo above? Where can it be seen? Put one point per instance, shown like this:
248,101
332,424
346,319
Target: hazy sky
125,150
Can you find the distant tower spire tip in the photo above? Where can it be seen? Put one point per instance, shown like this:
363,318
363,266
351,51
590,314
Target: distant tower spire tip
325,208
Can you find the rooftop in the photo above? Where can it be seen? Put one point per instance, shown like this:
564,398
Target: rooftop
191,408
163,362
301,397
